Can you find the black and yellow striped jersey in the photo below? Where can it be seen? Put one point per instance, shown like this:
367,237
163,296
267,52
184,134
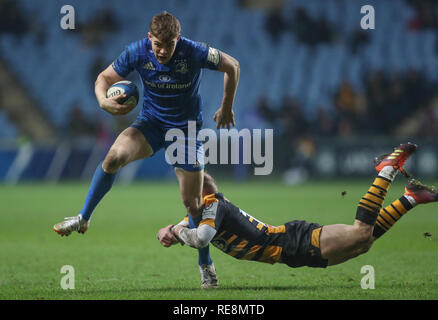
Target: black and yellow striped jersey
241,235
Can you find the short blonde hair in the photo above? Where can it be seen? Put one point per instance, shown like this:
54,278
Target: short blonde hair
209,185
165,26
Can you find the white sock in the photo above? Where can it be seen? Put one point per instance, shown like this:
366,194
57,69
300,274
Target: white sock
411,200
388,172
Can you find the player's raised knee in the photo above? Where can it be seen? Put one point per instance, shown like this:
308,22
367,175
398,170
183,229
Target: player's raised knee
114,161
364,240
365,246
364,235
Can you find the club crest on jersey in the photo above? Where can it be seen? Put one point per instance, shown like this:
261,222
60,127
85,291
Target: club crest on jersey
164,78
181,66
209,206
149,66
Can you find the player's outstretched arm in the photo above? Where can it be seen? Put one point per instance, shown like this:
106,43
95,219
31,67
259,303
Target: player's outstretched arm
224,116
104,80
196,238
166,236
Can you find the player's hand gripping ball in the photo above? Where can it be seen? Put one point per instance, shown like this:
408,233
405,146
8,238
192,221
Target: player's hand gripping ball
126,88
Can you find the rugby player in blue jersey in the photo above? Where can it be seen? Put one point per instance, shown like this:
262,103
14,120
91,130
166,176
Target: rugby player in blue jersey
169,66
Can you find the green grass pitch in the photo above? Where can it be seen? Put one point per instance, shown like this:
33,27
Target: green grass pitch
120,258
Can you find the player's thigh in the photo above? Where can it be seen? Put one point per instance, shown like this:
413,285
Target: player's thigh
190,185
335,239
338,241
129,146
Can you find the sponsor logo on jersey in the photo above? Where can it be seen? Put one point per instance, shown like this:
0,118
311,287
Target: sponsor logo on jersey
220,243
164,78
149,66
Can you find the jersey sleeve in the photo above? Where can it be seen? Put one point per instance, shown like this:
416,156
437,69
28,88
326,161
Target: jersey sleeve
205,56
126,61
184,222
199,237
212,213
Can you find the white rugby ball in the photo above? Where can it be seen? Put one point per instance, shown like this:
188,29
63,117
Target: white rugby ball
124,87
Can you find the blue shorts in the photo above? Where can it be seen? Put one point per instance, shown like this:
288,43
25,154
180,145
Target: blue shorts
183,149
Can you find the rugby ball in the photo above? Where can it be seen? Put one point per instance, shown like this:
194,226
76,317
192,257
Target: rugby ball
124,87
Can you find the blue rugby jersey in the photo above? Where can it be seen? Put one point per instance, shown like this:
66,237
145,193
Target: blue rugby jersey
170,91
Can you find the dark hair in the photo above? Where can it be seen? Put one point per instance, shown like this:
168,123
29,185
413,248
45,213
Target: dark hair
209,186
164,26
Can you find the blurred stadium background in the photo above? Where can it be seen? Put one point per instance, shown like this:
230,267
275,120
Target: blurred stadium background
335,95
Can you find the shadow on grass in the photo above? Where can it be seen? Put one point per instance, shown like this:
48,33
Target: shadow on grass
196,289
319,288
